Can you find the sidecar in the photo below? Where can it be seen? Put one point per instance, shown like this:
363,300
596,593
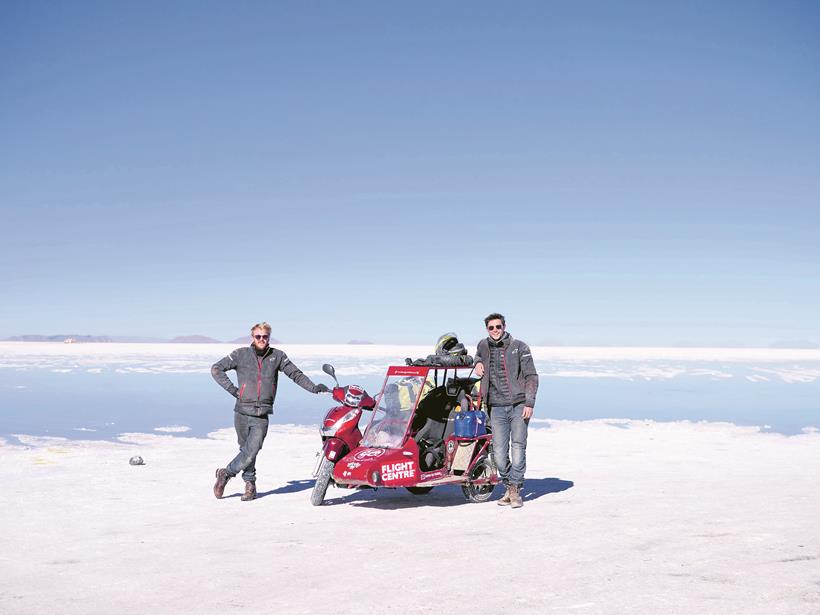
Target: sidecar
417,439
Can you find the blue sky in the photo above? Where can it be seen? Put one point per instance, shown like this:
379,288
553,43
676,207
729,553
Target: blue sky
614,173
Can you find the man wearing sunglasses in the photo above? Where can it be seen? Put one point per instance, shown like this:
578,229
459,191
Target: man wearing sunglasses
257,372
510,383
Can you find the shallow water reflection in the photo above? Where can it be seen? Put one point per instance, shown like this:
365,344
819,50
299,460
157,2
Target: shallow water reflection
103,404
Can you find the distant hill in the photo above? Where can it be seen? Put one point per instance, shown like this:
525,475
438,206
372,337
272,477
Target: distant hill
59,338
194,339
803,344
360,343
246,339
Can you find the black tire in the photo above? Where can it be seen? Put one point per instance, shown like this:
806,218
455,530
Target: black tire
479,493
322,481
419,490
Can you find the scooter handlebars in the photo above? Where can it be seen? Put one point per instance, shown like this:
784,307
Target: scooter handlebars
353,396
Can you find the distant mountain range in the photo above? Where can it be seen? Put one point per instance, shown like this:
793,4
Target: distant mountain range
97,339
194,339
245,339
60,338
805,344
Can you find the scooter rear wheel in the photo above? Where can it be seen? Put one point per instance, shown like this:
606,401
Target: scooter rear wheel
482,492
322,481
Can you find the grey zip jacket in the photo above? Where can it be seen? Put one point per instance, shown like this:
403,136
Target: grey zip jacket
257,378
519,366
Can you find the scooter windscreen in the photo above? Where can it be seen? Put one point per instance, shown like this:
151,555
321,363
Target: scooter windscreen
392,417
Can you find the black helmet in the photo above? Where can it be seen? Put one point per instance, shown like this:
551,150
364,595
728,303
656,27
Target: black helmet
448,345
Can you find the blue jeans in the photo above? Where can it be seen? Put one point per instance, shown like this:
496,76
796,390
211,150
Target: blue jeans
508,424
250,432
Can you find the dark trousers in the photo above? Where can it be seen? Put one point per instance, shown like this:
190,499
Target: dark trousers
250,432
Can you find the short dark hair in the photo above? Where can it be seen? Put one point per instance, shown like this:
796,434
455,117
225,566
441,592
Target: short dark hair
495,316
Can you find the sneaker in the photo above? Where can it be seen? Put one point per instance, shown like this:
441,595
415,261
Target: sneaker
505,499
515,497
222,479
250,491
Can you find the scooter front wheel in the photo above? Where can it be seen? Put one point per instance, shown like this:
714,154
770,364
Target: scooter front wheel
322,481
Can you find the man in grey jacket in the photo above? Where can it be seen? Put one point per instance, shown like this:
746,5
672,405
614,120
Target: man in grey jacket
257,371
510,382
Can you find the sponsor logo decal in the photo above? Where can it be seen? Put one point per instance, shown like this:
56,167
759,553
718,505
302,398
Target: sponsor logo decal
368,453
353,465
398,471
450,446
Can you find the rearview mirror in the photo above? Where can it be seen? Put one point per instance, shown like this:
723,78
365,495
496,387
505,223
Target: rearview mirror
328,369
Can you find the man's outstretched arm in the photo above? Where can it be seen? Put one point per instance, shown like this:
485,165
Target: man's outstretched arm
294,373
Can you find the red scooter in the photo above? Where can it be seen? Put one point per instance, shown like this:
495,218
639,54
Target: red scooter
340,432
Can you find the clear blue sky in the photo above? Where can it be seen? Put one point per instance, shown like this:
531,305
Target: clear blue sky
617,173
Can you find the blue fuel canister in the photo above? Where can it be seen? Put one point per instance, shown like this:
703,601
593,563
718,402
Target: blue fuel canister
470,424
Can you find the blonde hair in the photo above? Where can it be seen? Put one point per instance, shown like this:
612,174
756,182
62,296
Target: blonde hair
261,325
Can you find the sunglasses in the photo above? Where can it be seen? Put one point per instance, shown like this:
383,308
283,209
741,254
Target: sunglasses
262,337
495,327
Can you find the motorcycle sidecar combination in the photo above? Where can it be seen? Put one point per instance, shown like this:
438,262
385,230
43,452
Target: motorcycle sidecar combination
426,430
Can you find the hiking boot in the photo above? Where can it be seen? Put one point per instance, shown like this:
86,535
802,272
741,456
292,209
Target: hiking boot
505,499
515,497
222,479
250,491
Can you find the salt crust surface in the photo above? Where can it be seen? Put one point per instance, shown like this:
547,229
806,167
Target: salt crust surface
620,517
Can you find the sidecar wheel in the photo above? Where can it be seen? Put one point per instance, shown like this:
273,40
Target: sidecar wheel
322,481
419,490
479,493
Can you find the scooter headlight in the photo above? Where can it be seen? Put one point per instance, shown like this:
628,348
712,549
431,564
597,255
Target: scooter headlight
331,431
